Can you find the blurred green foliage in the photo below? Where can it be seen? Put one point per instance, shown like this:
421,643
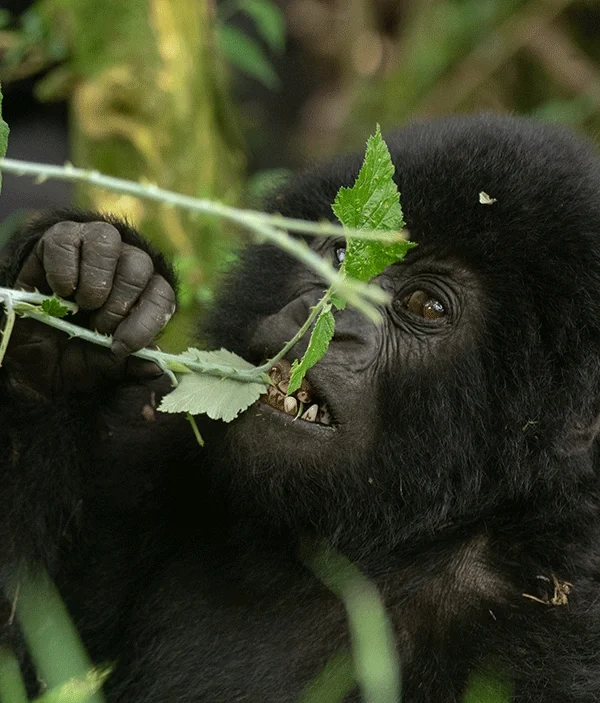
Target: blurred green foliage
168,91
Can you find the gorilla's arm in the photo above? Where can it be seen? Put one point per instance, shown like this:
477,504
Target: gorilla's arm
75,419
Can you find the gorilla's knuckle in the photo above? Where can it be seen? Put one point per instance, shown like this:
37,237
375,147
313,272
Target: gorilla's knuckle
159,292
135,265
66,231
101,233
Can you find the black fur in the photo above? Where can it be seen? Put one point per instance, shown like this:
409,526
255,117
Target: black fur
461,474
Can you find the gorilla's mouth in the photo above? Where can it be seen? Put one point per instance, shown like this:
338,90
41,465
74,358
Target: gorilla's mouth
304,404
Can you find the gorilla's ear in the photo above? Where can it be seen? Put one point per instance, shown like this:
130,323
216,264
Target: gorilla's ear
580,437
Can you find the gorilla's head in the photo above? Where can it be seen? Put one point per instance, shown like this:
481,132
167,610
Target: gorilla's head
478,395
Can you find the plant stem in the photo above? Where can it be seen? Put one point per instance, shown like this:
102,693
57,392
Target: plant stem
315,311
26,304
362,296
167,362
150,191
192,420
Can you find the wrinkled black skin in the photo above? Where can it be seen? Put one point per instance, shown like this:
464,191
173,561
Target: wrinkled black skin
461,473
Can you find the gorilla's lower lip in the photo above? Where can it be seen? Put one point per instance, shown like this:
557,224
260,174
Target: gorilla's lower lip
291,420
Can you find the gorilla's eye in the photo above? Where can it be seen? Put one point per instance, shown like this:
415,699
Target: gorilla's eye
422,303
340,254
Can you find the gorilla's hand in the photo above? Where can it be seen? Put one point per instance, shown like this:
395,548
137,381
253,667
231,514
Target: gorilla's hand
118,292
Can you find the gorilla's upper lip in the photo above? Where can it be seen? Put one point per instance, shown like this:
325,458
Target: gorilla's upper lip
305,403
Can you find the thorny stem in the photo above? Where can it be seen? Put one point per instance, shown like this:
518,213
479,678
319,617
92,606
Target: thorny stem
363,296
169,363
315,311
26,304
271,227
150,191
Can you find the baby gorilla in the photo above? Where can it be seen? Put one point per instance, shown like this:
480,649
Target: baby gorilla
451,452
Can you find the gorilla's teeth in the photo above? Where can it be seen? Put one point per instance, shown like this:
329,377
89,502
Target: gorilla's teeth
283,386
275,398
311,414
325,418
290,405
275,374
303,396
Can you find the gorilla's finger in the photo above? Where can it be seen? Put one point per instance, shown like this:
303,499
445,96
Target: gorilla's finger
32,275
142,368
134,270
100,251
58,250
147,318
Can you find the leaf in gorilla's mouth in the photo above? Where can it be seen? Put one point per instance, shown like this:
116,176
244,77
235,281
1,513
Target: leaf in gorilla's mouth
305,399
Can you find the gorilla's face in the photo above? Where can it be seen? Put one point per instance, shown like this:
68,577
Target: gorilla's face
479,376
336,415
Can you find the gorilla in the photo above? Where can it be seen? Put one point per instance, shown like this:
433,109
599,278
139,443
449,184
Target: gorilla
451,452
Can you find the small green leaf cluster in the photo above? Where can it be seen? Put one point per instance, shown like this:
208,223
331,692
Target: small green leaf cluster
54,307
373,202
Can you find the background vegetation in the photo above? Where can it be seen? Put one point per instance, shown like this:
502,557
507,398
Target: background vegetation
221,99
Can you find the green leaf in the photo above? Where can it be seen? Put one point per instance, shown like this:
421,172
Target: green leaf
338,302
334,683
318,344
218,357
246,55
220,398
3,135
269,21
372,203
12,685
54,307
52,638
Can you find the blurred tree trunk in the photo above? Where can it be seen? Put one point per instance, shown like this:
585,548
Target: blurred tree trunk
149,104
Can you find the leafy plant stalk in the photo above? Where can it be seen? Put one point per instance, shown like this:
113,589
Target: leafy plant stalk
315,311
220,383
150,191
28,304
264,226
372,203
